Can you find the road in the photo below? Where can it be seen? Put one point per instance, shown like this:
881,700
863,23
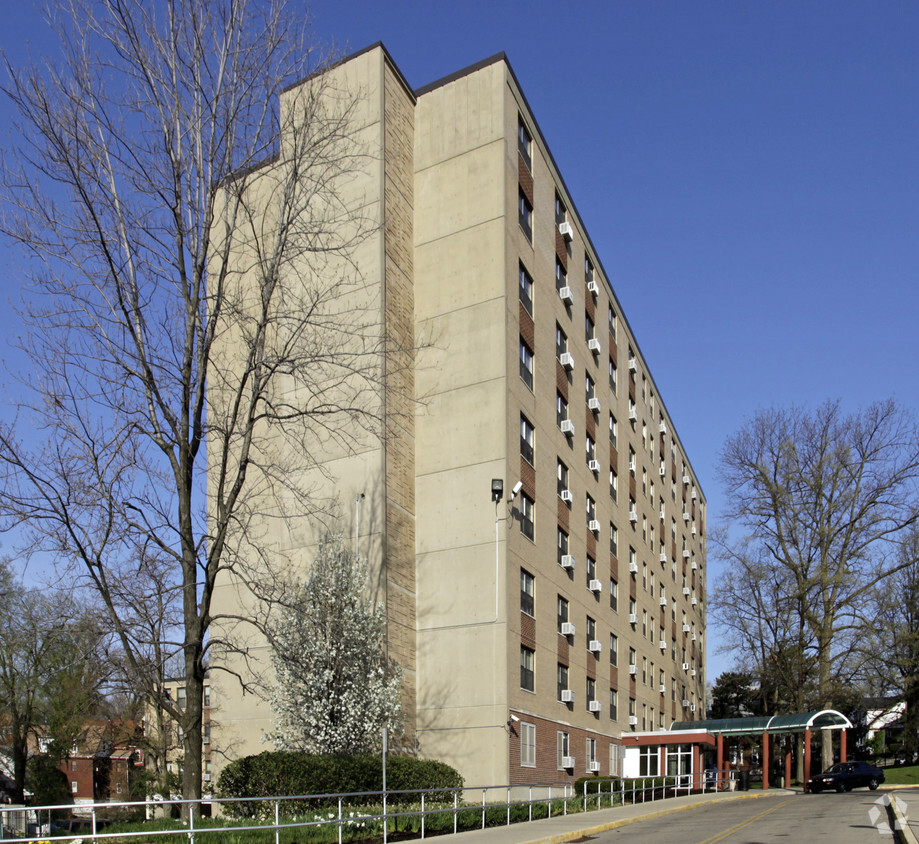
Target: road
782,819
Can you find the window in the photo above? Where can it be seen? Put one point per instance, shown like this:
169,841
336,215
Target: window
613,704
562,544
613,540
180,697
589,387
527,745
588,269
562,747
527,592
590,447
612,375
613,649
612,430
526,290
561,409
73,786
613,595
526,364
613,485
526,439
649,761
525,214
612,322
524,143
591,509
632,461
589,329
561,680
562,478
561,277
562,613
561,213
591,752
591,631
632,657
526,515
591,691
207,696
591,575
561,341
527,658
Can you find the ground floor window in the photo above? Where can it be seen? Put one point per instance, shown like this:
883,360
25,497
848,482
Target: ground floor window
649,761
562,747
527,745
614,760
679,760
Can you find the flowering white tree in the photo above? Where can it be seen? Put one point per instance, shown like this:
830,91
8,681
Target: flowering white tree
335,686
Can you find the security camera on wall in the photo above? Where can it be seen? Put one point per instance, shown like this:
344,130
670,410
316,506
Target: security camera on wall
517,487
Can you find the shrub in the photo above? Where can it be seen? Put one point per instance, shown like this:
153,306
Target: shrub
286,773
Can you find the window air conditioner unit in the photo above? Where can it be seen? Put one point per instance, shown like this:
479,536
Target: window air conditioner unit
686,479
685,628
694,600
693,530
633,515
695,495
662,428
567,761
632,466
663,645
633,618
593,465
694,565
595,586
685,553
663,601
633,365
686,666
685,516
692,708
633,720
633,669
206,777
565,495
685,702
663,470
565,294
593,287
633,414
593,525
565,230
567,427
662,688
687,591
663,556
567,695
633,568
694,637
594,646
594,403
692,672
567,561
593,344
566,359
205,740
594,706
568,629
594,767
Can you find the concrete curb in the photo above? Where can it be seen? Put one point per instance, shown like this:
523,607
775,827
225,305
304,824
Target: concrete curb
900,824
562,837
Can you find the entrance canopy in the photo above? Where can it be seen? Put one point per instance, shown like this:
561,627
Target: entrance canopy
823,719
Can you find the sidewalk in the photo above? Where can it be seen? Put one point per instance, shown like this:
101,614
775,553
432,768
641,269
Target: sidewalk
569,827
909,819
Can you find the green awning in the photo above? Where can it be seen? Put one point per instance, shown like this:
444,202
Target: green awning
822,719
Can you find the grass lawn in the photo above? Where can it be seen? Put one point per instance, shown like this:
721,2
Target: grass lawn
902,775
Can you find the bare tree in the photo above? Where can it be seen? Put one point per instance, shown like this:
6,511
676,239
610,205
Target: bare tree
890,645
192,303
823,497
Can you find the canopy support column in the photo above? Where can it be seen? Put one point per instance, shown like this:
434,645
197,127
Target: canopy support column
842,746
765,761
807,756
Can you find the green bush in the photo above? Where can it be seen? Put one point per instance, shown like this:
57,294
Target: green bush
283,773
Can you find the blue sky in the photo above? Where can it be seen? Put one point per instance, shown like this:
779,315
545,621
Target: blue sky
748,171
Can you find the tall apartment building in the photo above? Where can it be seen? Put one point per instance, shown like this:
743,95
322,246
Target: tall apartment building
537,631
